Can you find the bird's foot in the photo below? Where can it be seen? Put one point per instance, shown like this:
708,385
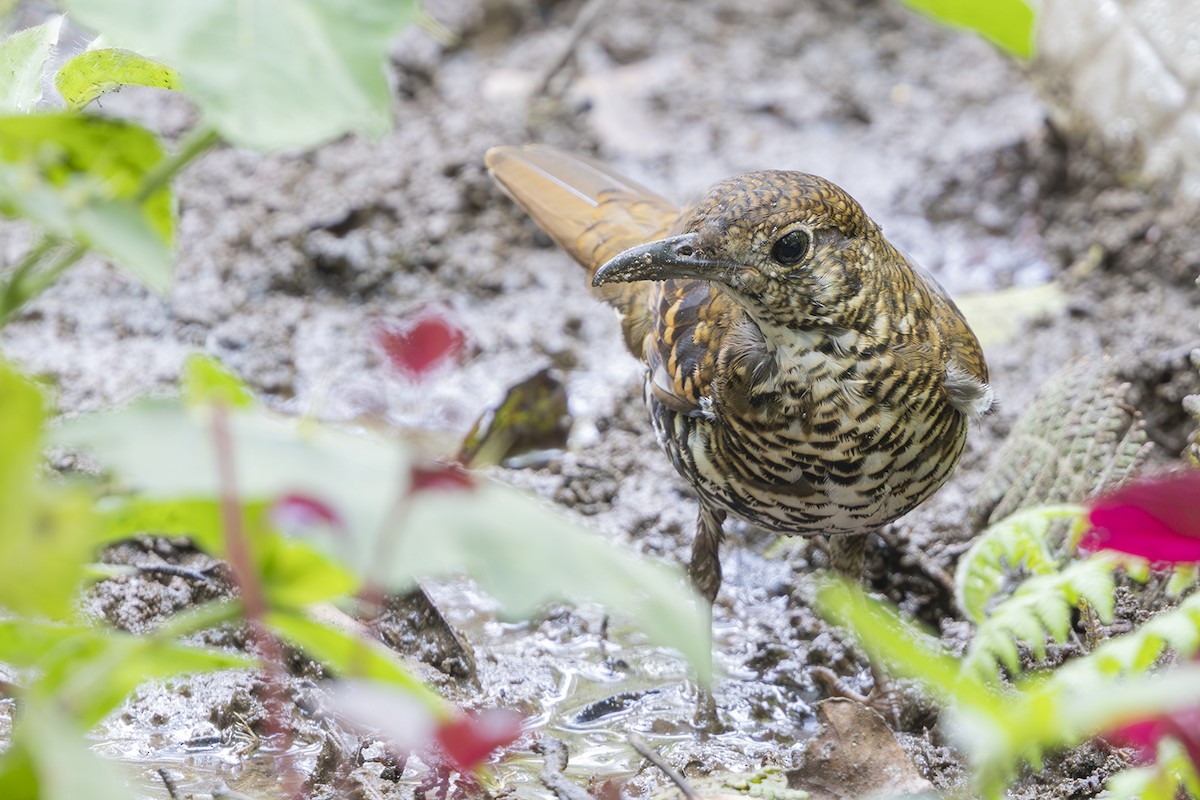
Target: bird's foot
884,697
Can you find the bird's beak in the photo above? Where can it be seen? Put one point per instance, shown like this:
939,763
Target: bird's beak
676,257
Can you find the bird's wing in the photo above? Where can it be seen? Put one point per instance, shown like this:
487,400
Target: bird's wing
594,214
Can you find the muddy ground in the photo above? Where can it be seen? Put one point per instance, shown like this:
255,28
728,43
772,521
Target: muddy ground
285,262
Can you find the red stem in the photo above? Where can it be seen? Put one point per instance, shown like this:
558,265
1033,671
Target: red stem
246,578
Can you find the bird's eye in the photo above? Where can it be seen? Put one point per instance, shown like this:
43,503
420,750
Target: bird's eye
791,248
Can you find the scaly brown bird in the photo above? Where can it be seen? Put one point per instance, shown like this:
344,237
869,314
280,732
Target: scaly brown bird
803,374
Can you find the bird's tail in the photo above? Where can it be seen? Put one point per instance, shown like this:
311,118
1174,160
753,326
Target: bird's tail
591,212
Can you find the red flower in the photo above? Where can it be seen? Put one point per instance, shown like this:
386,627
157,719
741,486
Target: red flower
470,739
418,346
1157,519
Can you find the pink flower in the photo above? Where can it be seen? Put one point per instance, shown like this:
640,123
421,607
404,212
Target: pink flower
1157,519
419,345
468,740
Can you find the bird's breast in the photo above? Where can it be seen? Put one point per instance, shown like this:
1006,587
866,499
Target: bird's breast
838,440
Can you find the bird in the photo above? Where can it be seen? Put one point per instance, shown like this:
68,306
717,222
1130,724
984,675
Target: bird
802,373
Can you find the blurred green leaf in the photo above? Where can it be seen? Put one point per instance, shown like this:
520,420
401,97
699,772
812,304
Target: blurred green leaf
998,315
527,555
205,379
46,530
352,656
292,572
268,74
164,449
79,177
49,759
24,642
92,672
523,553
95,72
22,413
1008,24
22,58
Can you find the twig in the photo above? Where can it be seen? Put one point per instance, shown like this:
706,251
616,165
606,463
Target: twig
639,744
194,144
554,752
583,22
169,782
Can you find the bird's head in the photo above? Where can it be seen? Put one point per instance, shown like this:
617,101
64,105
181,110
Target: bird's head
793,248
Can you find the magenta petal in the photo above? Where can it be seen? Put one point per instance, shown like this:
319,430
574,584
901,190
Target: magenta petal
1142,736
471,739
294,512
439,477
1157,519
418,346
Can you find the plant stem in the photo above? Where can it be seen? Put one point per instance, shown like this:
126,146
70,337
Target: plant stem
28,280
193,146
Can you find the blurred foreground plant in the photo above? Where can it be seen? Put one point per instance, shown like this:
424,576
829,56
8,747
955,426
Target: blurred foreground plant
1112,690
225,473
264,74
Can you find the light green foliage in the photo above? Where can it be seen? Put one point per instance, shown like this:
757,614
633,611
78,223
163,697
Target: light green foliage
207,380
1038,610
526,555
95,72
49,759
352,656
46,530
1008,24
22,58
70,674
520,551
1018,541
268,74
81,178
1171,773
1137,651
1001,727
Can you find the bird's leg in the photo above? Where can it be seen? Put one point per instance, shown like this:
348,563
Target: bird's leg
704,570
848,554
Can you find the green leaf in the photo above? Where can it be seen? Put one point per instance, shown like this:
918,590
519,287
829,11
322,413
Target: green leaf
207,380
22,412
1038,610
24,642
22,57
47,532
80,178
1008,24
92,673
292,572
526,556
93,73
352,656
50,759
1015,541
268,74
165,450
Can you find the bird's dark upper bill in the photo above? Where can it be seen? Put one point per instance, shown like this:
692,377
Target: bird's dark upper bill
676,257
